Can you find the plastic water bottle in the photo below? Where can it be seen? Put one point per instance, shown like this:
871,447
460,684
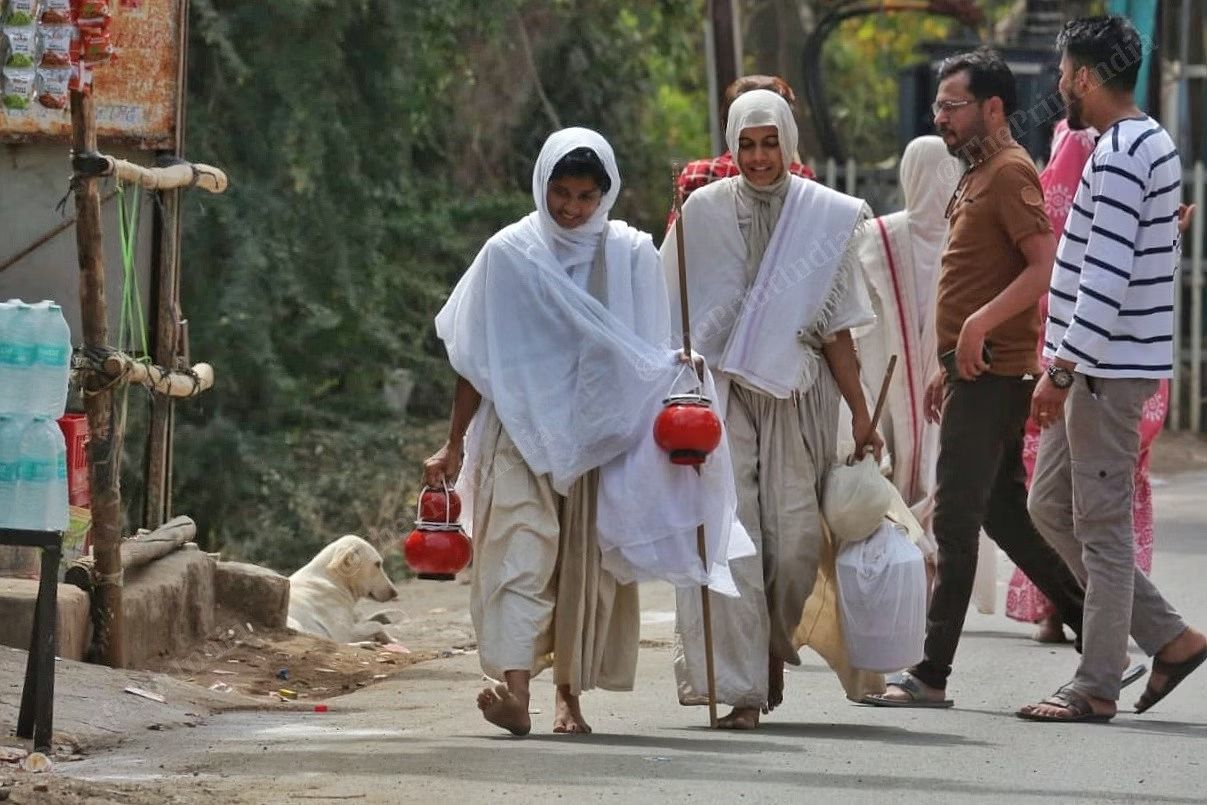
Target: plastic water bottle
18,342
8,384
51,366
10,455
41,495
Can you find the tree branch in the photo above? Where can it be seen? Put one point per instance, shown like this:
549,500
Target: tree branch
526,46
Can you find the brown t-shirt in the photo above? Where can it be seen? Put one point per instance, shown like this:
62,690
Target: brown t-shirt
999,205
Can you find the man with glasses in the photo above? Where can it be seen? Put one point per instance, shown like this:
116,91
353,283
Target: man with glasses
995,267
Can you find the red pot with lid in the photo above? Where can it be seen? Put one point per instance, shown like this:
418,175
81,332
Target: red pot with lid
687,428
437,549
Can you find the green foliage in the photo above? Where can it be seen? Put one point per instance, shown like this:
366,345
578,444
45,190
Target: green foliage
373,146
862,61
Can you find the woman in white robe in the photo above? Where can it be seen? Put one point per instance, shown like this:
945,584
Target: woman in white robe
558,334
900,255
775,289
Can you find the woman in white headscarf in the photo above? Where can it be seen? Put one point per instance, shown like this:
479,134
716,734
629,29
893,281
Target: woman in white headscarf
559,335
775,288
900,256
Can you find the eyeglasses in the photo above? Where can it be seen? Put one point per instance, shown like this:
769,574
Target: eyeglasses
956,195
949,106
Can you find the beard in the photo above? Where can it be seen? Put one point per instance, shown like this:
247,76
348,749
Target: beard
968,147
1074,115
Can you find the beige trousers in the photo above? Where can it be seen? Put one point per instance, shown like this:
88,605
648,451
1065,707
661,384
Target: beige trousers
539,597
1081,501
781,450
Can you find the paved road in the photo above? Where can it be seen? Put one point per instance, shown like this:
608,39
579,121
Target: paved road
418,738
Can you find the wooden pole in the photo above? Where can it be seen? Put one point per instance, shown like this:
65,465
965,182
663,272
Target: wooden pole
165,266
724,49
104,438
701,544
880,401
157,503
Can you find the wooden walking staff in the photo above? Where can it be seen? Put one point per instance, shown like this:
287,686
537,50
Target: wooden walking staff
888,378
701,546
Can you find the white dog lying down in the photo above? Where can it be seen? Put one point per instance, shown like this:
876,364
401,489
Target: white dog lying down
323,594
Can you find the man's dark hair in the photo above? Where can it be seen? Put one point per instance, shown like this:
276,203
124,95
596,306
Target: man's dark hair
583,162
988,76
747,83
1110,46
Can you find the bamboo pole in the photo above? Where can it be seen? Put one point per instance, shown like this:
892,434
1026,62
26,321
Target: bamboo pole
701,544
159,379
166,177
104,439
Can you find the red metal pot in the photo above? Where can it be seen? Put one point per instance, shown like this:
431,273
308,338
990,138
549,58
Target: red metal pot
687,428
439,505
436,551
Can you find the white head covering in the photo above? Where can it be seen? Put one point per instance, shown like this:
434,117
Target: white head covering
929,175
762,107
573,246
759,207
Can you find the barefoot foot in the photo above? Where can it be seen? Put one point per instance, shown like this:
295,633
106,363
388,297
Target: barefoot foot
568,715
741,718
504,709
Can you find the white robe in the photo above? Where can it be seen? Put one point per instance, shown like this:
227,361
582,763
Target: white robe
900,256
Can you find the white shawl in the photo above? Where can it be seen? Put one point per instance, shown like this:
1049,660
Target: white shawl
767,335
577,383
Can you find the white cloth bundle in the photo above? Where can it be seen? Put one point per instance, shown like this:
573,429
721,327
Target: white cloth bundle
855,499
882,600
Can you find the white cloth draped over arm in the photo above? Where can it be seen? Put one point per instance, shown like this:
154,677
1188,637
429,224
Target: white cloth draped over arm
577,386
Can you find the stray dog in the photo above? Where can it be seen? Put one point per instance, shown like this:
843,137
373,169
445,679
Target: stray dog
323,594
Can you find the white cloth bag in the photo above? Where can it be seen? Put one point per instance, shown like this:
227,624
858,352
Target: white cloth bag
882,599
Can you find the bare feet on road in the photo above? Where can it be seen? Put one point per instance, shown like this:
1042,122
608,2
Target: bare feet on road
504,709
740,718
568,716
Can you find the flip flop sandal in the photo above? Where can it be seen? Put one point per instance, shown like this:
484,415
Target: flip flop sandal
1175,673
915,691
1133,674
1077,706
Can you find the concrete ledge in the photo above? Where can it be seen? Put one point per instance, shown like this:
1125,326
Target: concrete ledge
259,595
168,605
17,598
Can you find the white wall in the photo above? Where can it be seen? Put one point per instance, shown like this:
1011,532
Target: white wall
32,180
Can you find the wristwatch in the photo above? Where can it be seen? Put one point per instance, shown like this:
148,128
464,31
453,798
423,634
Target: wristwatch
1061,377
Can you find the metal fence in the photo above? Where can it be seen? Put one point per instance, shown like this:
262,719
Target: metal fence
878,185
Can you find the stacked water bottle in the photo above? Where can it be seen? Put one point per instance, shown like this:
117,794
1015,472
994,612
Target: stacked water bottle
35,365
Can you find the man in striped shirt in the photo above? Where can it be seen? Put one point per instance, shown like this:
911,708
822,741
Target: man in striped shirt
1109,334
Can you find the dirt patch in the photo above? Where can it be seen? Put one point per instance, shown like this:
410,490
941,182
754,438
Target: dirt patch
53,788
276,665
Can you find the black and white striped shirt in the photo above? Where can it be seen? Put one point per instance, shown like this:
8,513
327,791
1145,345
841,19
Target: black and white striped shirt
1110,305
